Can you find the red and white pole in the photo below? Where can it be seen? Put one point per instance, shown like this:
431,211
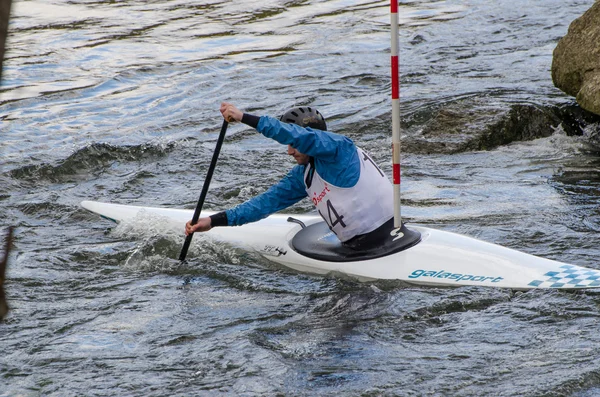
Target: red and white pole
395,113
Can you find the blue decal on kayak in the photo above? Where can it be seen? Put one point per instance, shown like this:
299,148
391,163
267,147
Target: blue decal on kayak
456,277
569,276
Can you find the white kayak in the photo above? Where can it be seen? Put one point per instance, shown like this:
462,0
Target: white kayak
439,258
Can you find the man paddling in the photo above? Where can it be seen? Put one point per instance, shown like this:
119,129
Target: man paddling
348,189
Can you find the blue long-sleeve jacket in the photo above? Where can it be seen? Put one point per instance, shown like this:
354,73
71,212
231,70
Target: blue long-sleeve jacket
335,159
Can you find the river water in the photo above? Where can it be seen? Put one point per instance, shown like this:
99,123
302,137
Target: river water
118,101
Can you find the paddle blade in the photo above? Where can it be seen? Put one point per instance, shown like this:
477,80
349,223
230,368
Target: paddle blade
186,246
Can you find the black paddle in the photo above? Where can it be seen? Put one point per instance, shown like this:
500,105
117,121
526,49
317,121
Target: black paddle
213,164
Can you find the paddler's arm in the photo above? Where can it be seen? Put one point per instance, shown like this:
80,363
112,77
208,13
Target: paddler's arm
335,155
310,141
283,194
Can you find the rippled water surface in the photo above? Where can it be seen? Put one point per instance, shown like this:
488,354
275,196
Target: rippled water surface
118,101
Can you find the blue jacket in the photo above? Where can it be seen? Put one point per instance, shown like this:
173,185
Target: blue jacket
335,159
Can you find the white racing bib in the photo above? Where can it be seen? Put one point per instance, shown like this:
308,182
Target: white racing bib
356,210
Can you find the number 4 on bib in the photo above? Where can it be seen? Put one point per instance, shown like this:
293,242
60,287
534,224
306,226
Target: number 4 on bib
333,216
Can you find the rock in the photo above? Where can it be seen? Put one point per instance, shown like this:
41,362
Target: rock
577,121
480,123
576,60
589,95
475,124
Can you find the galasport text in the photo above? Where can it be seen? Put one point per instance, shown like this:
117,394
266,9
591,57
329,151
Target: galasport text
453,276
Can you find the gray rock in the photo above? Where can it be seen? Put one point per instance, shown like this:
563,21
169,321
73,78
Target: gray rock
576,60
479,123
476,124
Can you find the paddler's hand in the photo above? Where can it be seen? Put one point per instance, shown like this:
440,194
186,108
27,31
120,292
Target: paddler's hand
231,113
203,225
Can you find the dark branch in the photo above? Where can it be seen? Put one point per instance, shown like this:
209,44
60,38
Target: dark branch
3,263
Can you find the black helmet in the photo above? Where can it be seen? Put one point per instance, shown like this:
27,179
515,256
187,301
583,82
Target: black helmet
305,116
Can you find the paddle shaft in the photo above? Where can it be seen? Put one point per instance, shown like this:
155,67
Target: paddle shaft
211,169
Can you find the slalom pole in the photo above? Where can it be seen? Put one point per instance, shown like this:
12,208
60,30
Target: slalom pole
395,112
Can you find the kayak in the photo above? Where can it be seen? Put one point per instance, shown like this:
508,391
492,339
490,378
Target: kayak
433,258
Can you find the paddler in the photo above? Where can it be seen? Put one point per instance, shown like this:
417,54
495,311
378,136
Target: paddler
348,189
